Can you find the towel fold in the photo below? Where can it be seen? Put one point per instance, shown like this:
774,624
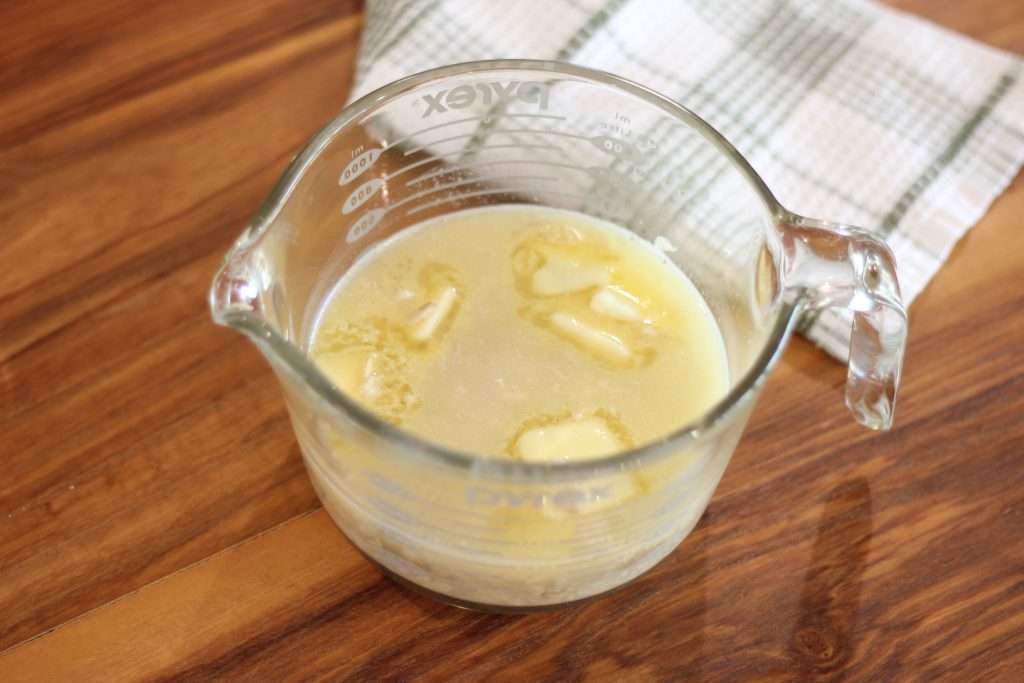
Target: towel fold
849,110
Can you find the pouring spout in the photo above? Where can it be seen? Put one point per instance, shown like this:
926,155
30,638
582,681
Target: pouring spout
247,295
236,287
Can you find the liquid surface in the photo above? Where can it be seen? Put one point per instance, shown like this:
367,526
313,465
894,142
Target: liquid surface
533,334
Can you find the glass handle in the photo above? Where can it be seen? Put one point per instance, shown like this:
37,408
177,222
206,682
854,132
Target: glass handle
829,265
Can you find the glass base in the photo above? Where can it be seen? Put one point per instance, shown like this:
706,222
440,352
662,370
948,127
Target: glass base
478,606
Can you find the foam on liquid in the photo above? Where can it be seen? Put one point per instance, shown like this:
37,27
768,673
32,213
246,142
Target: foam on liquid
525,333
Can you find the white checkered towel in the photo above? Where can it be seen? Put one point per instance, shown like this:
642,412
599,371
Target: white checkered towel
849,110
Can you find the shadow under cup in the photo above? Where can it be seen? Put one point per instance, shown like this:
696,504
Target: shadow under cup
484,532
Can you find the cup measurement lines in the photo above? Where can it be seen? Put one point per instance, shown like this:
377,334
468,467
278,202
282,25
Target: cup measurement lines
364,160
458,153
458,183
496,162
618,148
369,189
485,193
486,120
497,131
369,220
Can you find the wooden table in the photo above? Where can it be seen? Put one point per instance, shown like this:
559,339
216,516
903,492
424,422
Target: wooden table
155,518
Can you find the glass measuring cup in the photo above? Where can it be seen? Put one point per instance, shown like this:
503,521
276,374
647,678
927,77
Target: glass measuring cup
491,533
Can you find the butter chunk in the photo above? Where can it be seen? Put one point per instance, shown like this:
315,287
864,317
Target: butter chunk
572,439
616,303
432,315
373,377
561,275
344,368
595,339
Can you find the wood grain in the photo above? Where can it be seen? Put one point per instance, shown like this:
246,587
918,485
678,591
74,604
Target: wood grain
138,438
155,520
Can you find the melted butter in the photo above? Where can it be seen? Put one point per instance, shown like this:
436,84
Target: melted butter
527,333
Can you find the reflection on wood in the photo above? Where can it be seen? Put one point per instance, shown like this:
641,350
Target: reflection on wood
822,638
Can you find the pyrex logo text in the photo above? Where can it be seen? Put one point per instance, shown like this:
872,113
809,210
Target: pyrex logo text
463,96
567,499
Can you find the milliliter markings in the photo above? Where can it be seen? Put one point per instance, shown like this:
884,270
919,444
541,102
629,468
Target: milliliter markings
365,160
369,220
362,194
359,165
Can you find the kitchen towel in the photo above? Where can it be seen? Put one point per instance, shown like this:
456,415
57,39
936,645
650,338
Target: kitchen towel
849,110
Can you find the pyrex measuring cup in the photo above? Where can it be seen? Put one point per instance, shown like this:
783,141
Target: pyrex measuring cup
495,533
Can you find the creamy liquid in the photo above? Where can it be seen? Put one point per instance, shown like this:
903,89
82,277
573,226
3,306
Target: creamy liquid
525,333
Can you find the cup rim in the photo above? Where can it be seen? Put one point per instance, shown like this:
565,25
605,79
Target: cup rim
296,363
